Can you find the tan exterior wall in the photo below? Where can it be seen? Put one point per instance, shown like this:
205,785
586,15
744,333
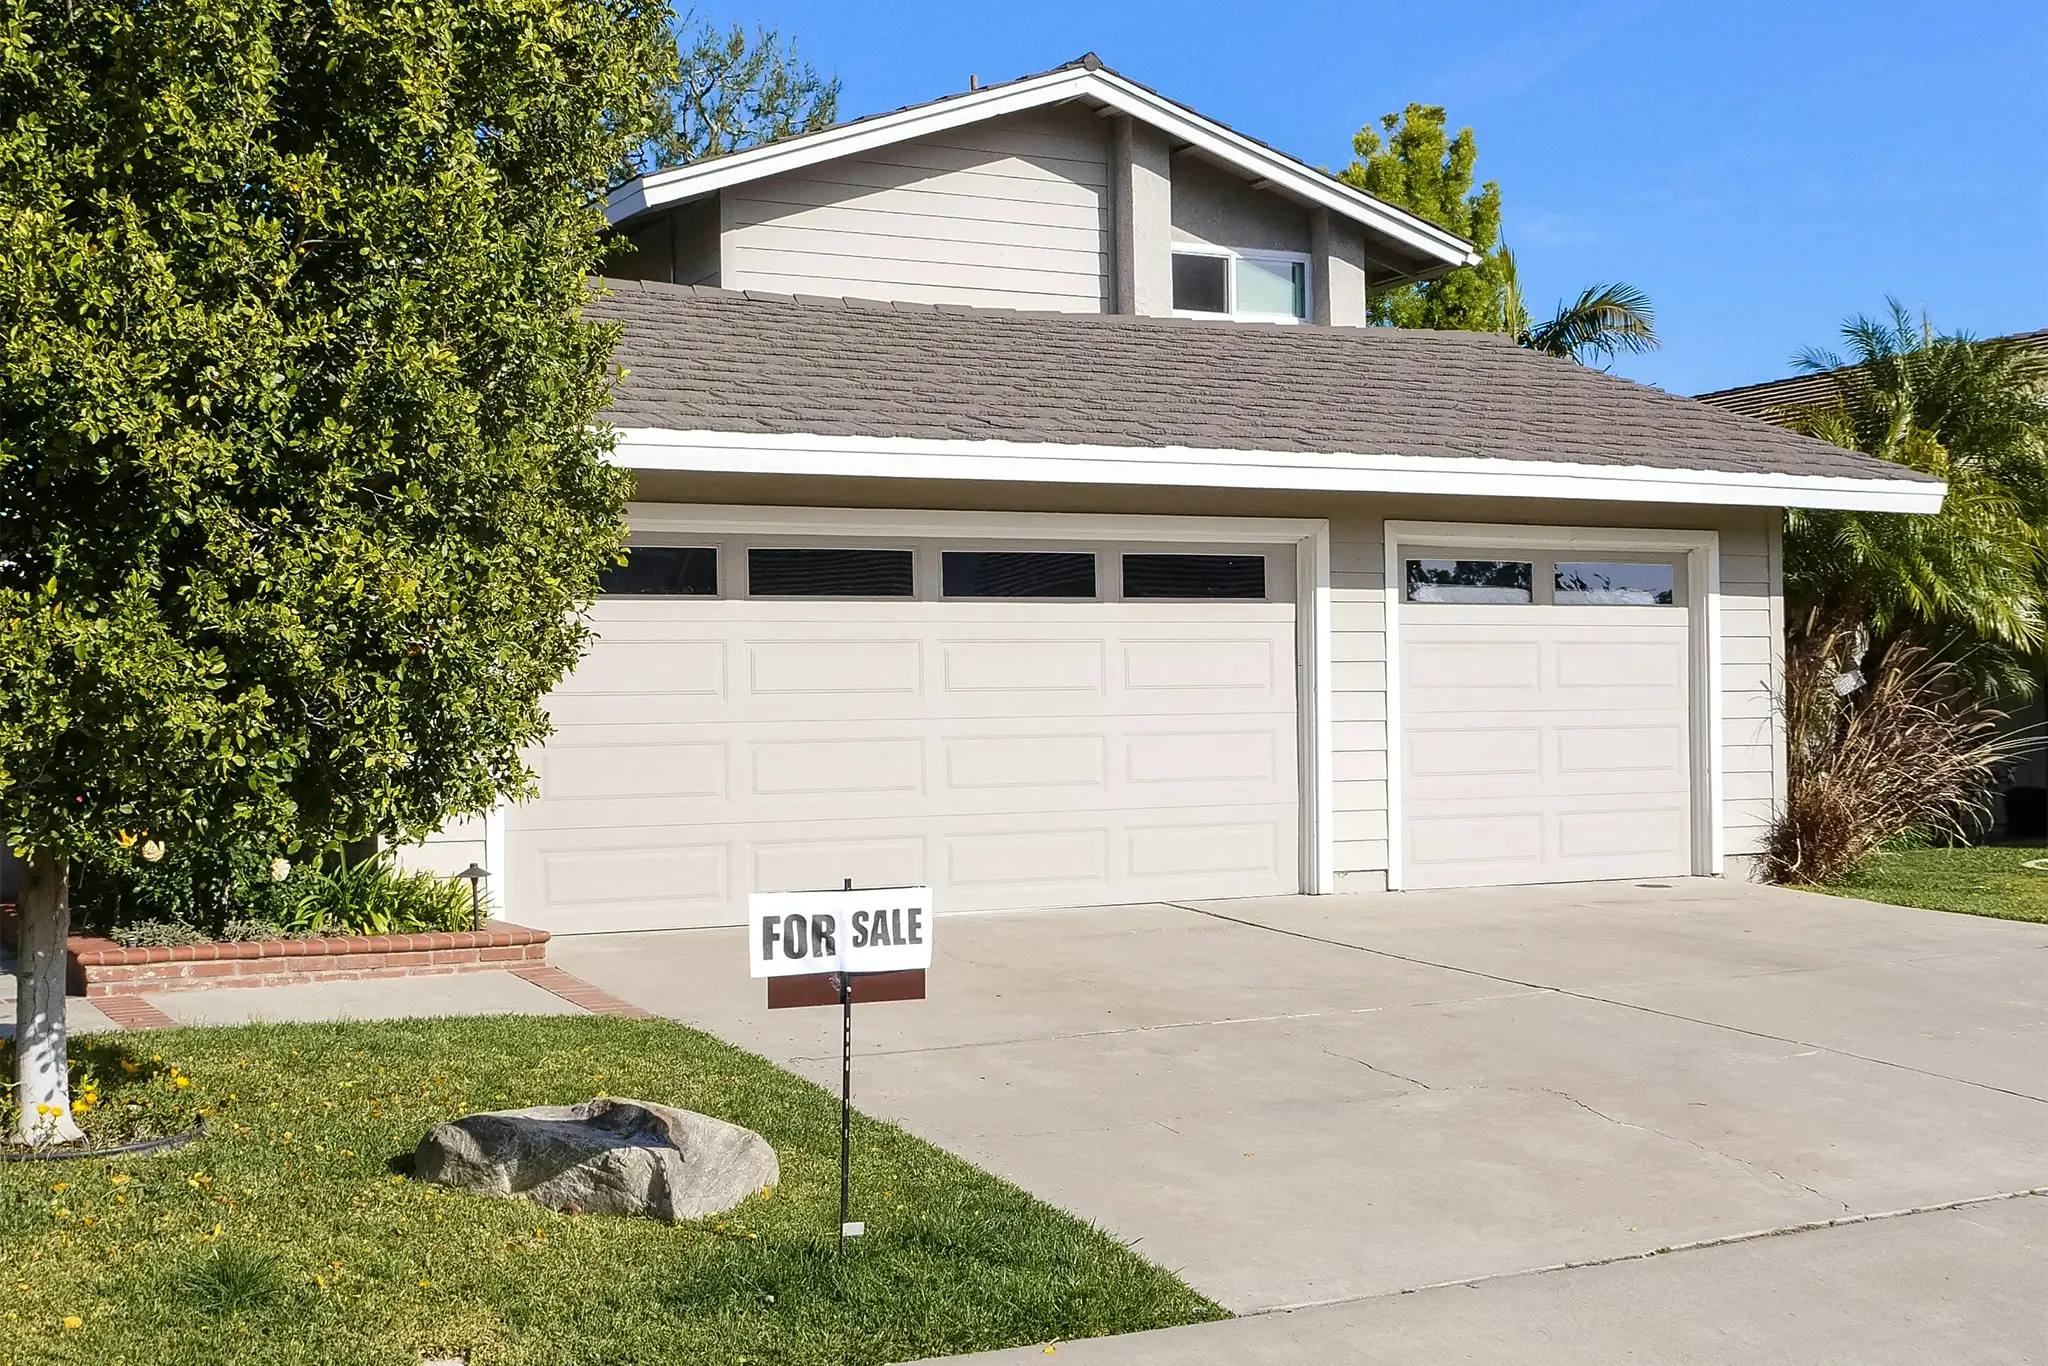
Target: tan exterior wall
1752,614
1012,213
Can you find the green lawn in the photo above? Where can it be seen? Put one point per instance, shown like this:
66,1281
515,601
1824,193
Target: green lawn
291,1235
1980,880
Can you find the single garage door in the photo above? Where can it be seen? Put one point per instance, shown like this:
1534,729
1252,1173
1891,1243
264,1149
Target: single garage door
1545,718
1018,726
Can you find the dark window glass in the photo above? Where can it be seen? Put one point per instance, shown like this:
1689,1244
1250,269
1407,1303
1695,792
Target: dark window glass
1470,581
1201,283
664,571
1194,576
1018,574
803,573
1616,585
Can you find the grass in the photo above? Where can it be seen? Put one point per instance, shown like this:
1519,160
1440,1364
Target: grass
292,1234
1975,880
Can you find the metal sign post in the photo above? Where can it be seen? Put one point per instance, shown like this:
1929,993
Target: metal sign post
817,948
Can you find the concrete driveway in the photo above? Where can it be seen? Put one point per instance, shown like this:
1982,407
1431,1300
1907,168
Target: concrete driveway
1318,1104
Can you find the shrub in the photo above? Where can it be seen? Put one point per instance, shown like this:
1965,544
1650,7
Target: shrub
189,896
374,897
1911,751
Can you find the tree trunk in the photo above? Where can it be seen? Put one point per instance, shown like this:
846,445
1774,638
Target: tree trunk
41,1065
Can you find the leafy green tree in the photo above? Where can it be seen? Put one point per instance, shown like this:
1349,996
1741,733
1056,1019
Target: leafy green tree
1975,413
300,485
1901,628
733,92
1413,162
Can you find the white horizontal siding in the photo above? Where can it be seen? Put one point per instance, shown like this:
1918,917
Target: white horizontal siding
1008,214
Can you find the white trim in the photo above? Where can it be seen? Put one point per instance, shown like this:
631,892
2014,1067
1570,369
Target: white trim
1309,536
906,457
1702,550
1231,256
1253,159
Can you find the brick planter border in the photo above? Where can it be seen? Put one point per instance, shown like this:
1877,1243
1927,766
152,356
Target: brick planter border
100,967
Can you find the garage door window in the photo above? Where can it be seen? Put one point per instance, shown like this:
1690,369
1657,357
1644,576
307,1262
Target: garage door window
802,572
1509,581
1615,585
1195,576
1018,574
663,571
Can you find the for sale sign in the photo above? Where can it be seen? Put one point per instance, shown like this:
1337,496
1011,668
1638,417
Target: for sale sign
884,929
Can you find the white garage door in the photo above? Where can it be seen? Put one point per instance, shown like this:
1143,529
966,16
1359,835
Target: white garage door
1545,719
1015,726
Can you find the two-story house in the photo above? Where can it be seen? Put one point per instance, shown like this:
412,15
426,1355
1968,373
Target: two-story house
1025,508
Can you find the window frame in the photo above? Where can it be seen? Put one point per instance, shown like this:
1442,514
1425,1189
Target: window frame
1232,255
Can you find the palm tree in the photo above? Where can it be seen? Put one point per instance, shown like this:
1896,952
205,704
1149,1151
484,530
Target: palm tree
1900,627
1602,321
1975,413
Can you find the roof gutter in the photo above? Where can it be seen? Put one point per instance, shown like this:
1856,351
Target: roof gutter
903,457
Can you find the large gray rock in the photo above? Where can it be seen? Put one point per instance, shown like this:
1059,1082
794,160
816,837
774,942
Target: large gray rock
605,1156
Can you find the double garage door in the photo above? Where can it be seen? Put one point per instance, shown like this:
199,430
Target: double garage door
1013,725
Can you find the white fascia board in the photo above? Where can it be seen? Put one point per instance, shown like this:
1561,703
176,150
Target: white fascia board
900,457
681,183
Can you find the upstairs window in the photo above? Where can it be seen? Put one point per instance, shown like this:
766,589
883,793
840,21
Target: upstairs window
1213,282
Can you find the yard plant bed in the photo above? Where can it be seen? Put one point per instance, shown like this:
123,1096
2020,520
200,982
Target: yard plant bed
1987,879
293,1234
98,966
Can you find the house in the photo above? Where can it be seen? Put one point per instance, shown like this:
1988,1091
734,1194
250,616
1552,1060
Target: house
1025,508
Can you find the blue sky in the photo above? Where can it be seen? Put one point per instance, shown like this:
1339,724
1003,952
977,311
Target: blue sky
1762,170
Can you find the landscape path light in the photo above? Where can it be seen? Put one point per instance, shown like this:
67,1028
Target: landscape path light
474,875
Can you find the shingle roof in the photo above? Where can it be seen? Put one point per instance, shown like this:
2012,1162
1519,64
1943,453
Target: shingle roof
1773,396
701,359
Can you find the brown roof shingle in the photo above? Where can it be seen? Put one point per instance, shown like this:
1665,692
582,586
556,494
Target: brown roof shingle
700,359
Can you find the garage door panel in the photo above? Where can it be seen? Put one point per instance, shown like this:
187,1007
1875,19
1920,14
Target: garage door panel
1620,748
1009,753
1202,664
631,771
827,769
1021,667
975,762
1656,834
1475,752
1544,743
993,860
831,668
801,865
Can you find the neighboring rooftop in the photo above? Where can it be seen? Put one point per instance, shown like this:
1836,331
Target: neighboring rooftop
1774,396
700,359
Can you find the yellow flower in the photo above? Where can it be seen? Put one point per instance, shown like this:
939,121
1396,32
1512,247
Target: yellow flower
73,1321
181,1082
120,1178
61,1187
130,1068
63,1214
126,840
